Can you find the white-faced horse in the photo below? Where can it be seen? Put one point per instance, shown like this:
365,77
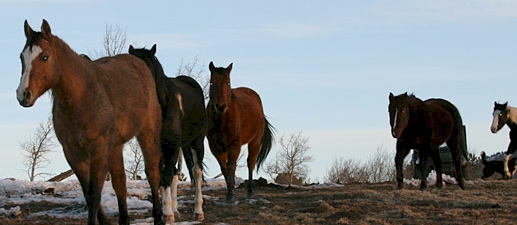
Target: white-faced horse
505,114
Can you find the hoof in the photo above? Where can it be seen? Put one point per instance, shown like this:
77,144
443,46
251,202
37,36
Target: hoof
199,216
230,198
169,219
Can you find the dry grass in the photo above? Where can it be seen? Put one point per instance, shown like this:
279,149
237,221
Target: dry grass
482,202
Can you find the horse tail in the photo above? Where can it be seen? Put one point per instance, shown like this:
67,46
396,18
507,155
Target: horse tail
460,128
463,142
266,144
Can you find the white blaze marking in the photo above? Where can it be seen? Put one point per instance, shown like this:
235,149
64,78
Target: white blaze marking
28,57
495,121
395,119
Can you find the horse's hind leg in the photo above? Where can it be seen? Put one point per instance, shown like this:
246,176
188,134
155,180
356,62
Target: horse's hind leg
253,152
423,154
118,181
456,153
197,151
438,167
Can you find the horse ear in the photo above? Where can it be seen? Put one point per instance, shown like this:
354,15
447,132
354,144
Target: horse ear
505,104
28,30
211,66
45,29
229,68
392,96
131,50
153,49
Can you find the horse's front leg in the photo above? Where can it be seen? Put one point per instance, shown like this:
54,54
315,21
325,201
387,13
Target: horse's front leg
99,168
169,178
507,174
401,154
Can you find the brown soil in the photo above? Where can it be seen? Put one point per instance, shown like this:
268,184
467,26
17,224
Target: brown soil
482,202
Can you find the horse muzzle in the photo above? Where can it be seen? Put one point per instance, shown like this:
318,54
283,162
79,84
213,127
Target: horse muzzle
24,98
493,129
218,108
394,134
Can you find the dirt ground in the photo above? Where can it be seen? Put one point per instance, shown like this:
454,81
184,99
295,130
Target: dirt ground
482,202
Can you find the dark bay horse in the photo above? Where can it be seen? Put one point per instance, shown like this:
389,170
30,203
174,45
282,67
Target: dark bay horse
425,125
236,118
97,107
184,122
505,114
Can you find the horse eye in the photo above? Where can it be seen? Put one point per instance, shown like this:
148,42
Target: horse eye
45,58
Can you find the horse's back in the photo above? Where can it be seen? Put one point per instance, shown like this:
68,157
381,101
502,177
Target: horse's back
129,85
449,107
190,82
247,98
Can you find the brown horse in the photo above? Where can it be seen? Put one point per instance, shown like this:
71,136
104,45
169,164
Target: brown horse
425,125
97,107
236,118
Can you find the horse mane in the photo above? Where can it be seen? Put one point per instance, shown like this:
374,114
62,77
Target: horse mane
157,66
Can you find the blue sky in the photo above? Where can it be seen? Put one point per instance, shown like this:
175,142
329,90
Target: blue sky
324,68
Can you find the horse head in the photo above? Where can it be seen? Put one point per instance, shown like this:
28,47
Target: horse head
220,88
39,67
148,55
500,116
399,110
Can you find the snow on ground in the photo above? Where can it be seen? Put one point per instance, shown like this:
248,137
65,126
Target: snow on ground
15,192
431,180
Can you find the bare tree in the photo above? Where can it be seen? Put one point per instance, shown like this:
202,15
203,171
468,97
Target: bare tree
346,171
35,150
114,42
292,158
135,160
380,166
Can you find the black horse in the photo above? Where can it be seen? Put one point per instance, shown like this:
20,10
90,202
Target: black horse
184,129
495,163
425,125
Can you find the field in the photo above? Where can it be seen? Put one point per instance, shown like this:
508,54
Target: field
482,202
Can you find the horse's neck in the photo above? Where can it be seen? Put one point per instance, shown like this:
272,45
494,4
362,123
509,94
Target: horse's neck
512,117
74,75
